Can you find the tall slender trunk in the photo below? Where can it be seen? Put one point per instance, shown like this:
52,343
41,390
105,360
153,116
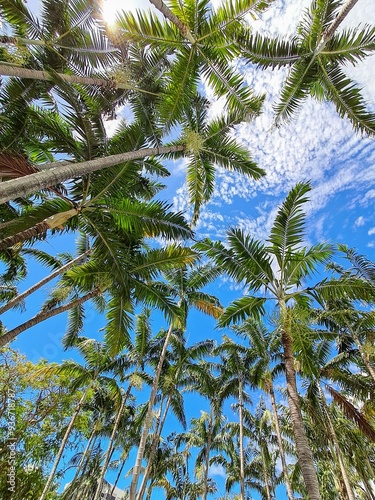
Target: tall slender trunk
38,229
348,487
280,442
33,74
63,444
22,296
346,8
82,463
38,318
148,418
330,31
166,11
111,444
208,451
29,184
118,477
154,445
242,455
265,475
304,453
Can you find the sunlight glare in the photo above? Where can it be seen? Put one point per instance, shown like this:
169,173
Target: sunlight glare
110,9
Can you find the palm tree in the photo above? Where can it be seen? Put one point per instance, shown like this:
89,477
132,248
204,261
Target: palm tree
234,376
260,426
108,208
203,42
185,284
281,270
97,363
179,368
315,55
264,347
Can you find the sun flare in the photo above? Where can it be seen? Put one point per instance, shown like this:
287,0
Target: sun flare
110,10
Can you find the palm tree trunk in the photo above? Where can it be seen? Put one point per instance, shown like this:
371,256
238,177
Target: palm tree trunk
280,443
22,296
111,444
208,451
83,462
33,74
266,481
29,184
330,31
242,455
155,440
348,488
347,7
148,418
63,443
184,30
38,318
304,453
38,229
118,476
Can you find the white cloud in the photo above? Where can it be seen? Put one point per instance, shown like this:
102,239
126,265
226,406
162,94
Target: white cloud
371,231
217,470
360,221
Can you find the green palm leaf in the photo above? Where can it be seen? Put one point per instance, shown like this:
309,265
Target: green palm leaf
118,324
288,229
347,98
350,45
352,413
151,218
252,258
241,309
296,88
269,53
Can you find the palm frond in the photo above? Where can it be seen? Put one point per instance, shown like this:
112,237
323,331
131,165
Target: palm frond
346,96
269,52
351,45
352,413
288,229
241,309
296,88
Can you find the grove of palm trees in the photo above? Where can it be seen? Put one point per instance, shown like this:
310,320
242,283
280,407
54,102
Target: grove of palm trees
139,399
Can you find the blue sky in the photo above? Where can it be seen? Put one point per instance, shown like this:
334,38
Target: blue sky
317,145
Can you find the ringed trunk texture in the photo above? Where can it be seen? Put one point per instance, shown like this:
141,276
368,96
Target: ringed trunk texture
304,454
81,465
38,318
158,430
265,475
148,418
330,31
32,183
347,7
22,296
